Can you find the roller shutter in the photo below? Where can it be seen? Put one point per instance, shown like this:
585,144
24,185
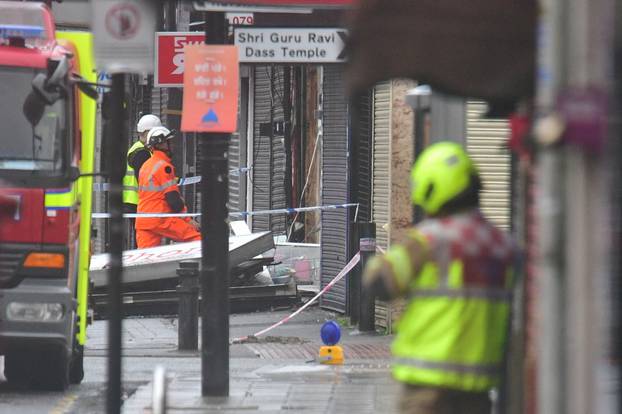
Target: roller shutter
268,153
363,153
99,197
381,171
159,99
233,161
381,179
335,187
236,155
486,143
278,223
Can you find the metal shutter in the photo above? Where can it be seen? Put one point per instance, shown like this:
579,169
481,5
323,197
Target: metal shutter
381,170
363,174
234,162
261,175
236,155
159,99
486,140
278,223
335,186
100,203
381,179
268,152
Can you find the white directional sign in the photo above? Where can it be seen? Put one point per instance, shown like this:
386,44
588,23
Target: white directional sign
299,45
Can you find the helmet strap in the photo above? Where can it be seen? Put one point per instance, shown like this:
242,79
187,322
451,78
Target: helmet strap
168,151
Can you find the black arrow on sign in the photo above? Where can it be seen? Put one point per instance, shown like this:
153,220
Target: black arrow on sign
343,35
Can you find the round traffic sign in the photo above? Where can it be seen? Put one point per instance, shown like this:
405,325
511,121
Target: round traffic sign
123,21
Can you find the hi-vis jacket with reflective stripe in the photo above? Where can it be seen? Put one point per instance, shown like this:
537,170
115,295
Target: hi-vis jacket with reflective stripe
454,329
130,184
156,178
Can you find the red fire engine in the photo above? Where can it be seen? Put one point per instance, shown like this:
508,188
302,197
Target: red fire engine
46,155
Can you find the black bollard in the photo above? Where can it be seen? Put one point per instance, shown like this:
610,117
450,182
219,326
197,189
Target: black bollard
367,244
188,291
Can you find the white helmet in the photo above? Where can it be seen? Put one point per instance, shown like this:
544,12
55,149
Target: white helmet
158,135
146,122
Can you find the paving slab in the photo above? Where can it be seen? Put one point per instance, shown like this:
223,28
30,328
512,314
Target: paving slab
278,375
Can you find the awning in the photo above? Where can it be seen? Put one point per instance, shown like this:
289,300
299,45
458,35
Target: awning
478,48
272,5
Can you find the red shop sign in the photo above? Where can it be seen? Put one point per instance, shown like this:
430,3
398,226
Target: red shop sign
169,55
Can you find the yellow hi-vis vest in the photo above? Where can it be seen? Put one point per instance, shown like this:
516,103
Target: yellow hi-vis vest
130,184
454,329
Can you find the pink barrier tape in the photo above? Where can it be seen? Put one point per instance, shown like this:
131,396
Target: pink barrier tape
353,262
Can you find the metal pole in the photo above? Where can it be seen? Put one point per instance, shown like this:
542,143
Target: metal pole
548,395
117,147
587,64
354,286
188,317
367,243
158,397
215,246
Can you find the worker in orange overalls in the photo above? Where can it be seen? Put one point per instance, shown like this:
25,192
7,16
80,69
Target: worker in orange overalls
158,193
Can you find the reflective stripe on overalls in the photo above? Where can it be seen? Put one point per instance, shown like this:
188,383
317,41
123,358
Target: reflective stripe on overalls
130,184
453,331
151,186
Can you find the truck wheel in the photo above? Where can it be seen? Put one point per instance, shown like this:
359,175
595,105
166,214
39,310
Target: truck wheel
76,367
53,370
18,368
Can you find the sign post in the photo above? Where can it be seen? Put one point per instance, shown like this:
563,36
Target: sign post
210,106
123,42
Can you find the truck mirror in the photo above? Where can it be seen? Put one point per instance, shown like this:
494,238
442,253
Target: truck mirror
33,108
59,70
50,86
47,93
87,89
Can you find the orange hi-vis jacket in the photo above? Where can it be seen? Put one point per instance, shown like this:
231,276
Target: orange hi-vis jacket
157,177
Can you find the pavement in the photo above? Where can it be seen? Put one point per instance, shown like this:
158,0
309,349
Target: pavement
278,373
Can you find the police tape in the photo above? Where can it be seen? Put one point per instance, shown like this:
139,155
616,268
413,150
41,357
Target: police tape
99,187
353,262
235,213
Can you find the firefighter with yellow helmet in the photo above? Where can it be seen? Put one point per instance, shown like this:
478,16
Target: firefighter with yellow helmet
457,271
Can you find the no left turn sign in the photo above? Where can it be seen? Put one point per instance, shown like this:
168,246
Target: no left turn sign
123,33
123,21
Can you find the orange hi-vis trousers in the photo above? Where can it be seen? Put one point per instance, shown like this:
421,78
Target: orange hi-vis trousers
173,228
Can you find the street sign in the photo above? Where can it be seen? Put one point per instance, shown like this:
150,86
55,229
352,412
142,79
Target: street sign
123,35
169,53
103,78
211,85
291,45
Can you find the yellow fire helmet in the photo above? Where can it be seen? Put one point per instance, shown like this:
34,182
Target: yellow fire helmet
442,172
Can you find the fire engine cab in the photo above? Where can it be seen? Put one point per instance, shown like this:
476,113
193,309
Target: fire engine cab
47,129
